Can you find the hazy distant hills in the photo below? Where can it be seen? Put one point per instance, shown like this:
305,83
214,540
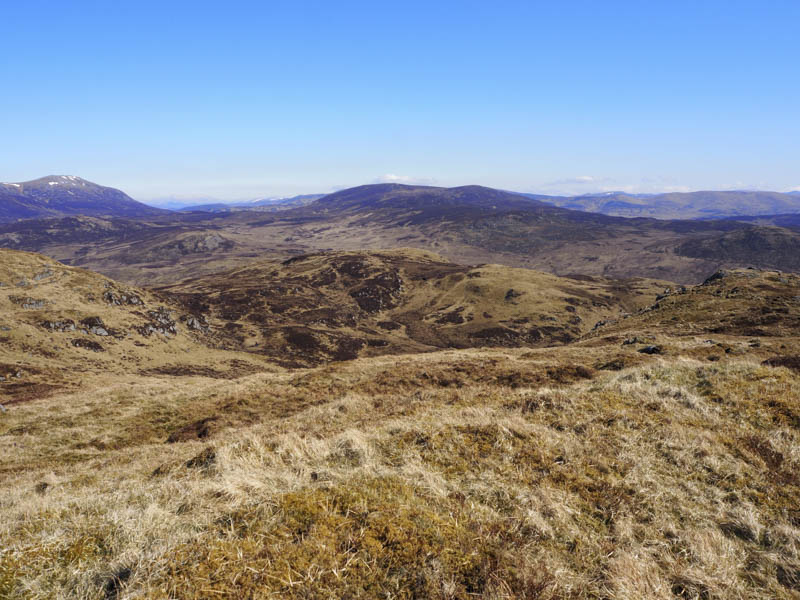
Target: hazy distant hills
418,197
68,195
790,220
264,205
64,195
466,225
689,205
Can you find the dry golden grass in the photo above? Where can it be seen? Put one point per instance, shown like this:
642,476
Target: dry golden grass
36,360
451,475
590,470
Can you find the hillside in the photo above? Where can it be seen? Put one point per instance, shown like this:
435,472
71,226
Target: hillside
743,302
686,205
306,311
341,305
60,325
61,195
466,225
791,221
652,455
264,204
774,248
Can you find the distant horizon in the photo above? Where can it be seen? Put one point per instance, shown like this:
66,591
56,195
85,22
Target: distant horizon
227,194
181,200
190,201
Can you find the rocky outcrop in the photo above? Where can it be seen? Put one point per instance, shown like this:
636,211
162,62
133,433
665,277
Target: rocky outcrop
95,326
62,325
122,299
87,345
43,275
195,323
161,321
27,302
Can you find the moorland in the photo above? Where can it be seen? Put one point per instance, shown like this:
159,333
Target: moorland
398,392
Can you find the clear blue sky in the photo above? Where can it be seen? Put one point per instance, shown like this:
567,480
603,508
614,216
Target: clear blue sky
241,99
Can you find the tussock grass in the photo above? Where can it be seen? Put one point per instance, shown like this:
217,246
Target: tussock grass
452,475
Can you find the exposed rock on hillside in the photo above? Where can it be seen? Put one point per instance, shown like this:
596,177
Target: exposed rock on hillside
68,312
741,302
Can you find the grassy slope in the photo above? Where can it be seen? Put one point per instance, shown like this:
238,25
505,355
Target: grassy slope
590,470
453,475
36,290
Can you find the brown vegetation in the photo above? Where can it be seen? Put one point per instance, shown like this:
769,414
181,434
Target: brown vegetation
466,225
170,467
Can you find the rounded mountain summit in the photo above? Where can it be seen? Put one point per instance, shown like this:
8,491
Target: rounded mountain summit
64,195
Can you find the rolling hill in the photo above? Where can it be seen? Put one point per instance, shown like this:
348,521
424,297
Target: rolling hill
264,204
341,305
466,225
791,221
61,195
305,311
207,440
688,205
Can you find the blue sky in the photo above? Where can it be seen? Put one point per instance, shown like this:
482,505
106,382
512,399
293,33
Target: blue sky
241,99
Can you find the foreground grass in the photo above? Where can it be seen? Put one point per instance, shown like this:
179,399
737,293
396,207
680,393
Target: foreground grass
453,475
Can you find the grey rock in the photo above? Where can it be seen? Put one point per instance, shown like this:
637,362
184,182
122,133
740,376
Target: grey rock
27,302
62,325
120,299
715,277
196,323
95,326
161,322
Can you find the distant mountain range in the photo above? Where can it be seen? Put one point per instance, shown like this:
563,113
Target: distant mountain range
688,205
68,195
267,204
467,225
65,195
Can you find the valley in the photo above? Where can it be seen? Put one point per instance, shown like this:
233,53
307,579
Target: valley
224,436
338,399
469,225
370,301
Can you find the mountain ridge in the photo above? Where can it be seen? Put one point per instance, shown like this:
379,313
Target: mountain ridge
66,195
703,204
467,225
